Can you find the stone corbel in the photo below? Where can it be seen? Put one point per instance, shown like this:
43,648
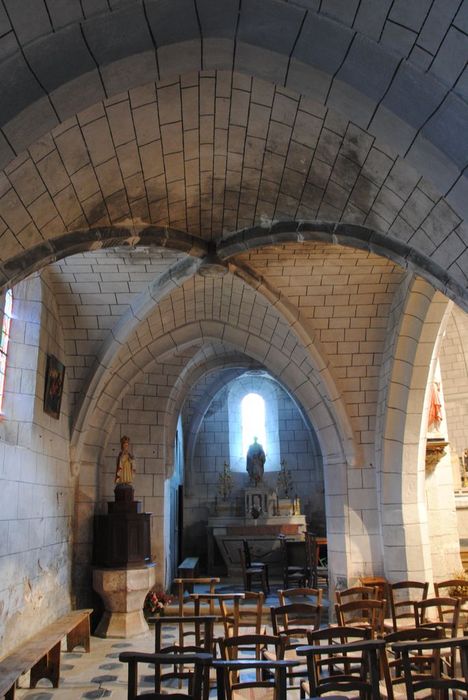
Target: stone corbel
435,450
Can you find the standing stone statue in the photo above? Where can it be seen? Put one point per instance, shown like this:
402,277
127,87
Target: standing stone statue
255,462
125,463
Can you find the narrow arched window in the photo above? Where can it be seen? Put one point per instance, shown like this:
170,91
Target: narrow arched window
5,337
253,421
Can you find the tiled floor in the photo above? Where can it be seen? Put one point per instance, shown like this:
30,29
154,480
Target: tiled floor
100,674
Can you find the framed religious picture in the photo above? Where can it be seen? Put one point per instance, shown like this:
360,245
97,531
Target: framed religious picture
55,375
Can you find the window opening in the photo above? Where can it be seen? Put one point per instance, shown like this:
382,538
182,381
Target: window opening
7,313
253,421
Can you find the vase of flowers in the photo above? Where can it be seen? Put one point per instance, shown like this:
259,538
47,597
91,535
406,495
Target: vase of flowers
155,603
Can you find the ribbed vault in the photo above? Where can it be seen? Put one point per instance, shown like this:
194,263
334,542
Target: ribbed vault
226,160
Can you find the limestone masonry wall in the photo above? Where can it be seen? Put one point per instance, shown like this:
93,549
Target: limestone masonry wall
36,488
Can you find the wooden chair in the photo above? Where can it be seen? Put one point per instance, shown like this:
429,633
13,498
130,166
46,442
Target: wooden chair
295,571
226,606
250,573
362,679
203,643
201,665
278,668
362,613
403,595
317,571
255,564
442,614
356,593
245,644
377,582
293,621
436,681
328,636
300,595
393,683
187,584
242,615
202,601
181,585
455,588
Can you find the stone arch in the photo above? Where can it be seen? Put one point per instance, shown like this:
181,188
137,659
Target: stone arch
139,314
162,286
233,366
81,240
296,379
403,512
265,236
232,363
320,407
349,235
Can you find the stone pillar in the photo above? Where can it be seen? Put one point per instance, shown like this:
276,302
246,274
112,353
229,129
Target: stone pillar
123,592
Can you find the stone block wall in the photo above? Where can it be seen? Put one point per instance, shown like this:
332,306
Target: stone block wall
36,488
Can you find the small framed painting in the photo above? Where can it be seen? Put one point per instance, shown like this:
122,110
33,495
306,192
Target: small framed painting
55,375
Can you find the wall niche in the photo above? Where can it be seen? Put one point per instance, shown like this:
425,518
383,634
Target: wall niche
213,435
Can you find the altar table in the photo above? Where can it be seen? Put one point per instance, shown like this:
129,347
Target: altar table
262,536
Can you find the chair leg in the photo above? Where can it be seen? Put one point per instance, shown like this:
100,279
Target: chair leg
264,582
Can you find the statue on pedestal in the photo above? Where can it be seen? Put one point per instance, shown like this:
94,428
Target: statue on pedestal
255,462
125,464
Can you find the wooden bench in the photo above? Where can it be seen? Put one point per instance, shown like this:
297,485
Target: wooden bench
41,653
188,569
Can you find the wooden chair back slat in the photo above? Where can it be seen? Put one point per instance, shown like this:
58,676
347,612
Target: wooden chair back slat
200,676
402,608
436,680
357,613
300,594
363,678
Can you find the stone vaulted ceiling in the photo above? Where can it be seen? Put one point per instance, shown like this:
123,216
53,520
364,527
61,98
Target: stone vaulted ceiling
263,134
351,114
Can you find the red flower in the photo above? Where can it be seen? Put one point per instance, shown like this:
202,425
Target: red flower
155,601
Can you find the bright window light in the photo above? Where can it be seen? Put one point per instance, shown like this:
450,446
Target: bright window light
7,312
253,421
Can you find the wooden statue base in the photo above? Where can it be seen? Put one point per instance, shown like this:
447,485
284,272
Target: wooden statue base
122,539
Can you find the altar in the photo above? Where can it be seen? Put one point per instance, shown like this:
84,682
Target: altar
262,535
259,515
